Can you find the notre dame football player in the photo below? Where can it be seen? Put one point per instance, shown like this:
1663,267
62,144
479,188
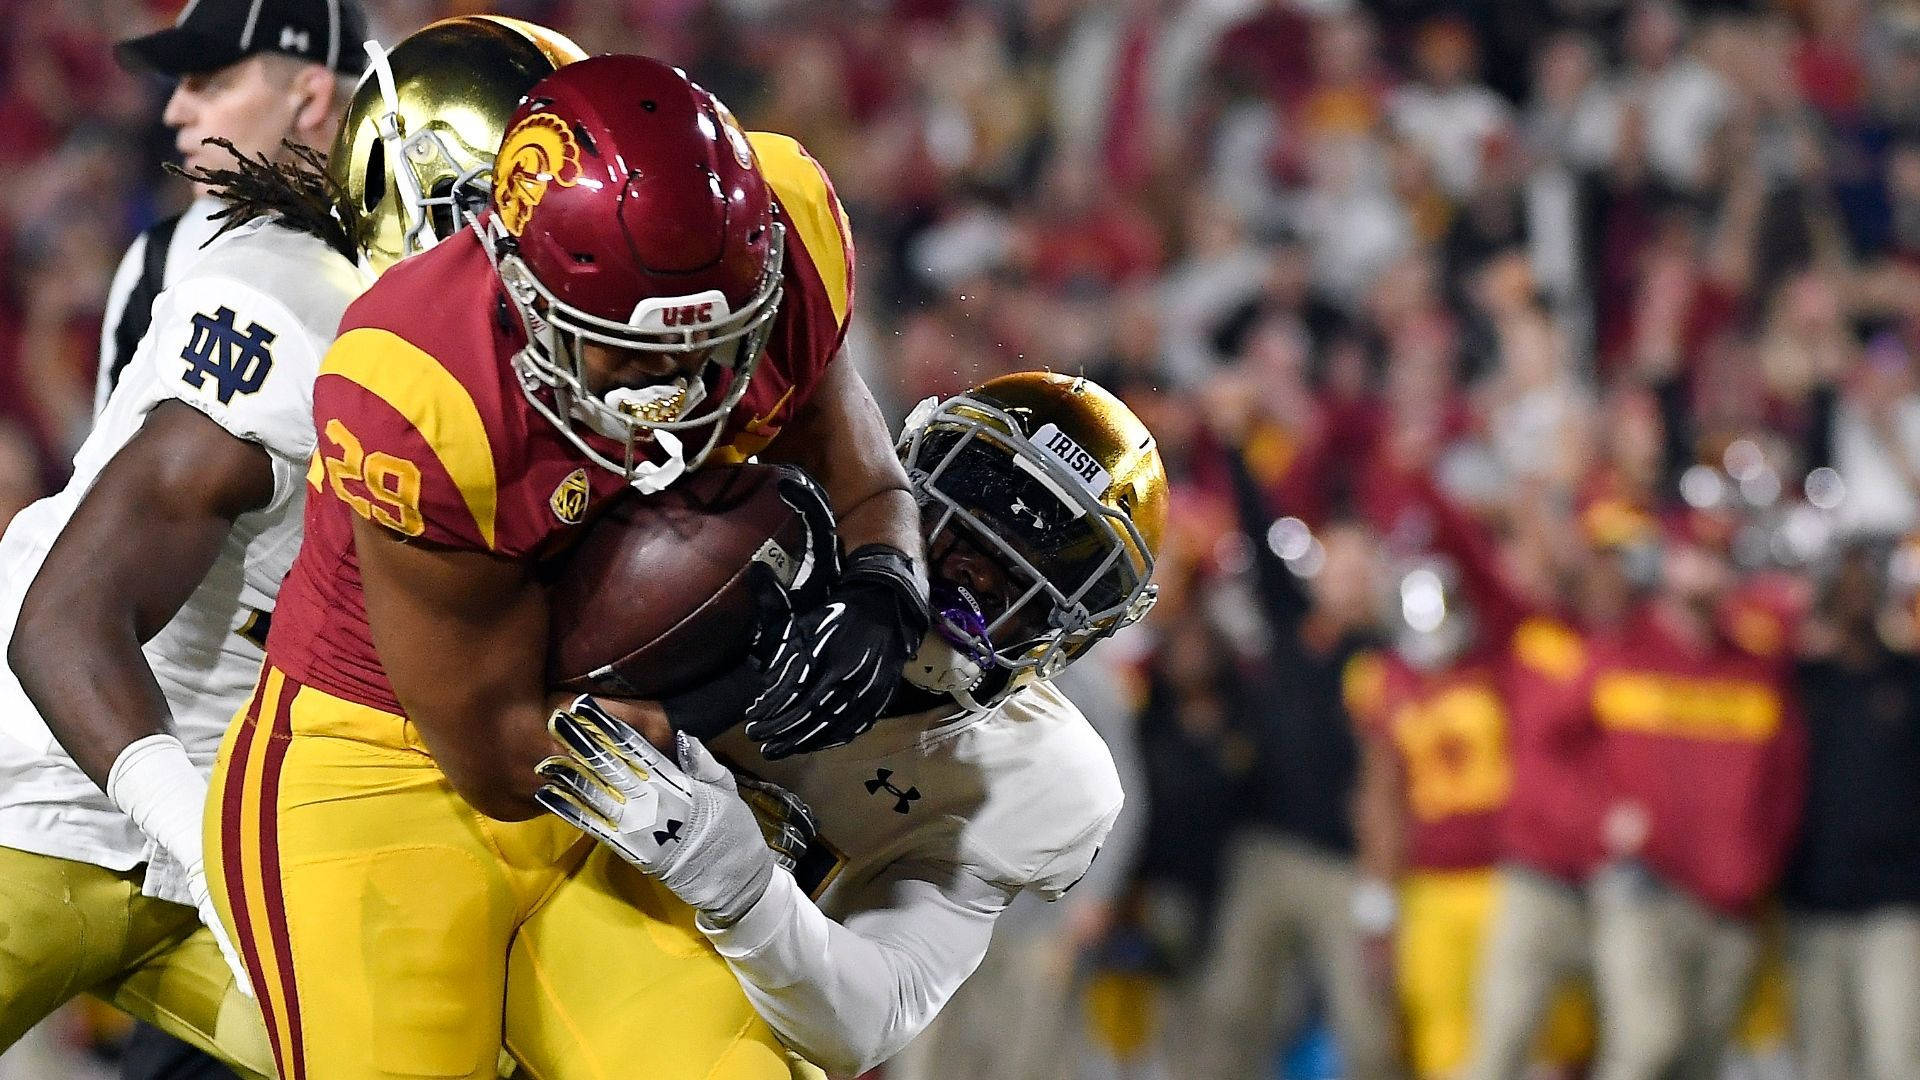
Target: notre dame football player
143,591
1042,499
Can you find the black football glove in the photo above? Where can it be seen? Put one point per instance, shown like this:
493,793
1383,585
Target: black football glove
833,675
713,707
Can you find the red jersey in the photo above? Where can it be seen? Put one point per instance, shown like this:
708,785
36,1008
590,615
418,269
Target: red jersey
423,426
1448,730
1552,821
1710,742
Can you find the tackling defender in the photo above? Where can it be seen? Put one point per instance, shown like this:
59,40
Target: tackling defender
162,560
1043,499
650,288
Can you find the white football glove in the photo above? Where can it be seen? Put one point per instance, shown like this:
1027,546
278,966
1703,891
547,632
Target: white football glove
156,784
683,822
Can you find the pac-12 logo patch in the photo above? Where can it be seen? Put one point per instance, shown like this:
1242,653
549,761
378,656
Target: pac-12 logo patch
237,361
569,500
539,152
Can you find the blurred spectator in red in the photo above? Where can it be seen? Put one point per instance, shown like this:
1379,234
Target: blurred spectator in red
1083,234
1703,751
1437,773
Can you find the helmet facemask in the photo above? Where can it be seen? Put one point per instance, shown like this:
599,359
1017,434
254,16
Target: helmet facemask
1066,570
655,424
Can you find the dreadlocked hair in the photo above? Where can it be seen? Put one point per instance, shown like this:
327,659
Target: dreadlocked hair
301,195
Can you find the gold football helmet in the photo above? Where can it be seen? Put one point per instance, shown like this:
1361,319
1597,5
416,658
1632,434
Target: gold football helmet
1043,500
415,151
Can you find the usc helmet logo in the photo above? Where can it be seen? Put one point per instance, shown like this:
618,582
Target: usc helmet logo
539,152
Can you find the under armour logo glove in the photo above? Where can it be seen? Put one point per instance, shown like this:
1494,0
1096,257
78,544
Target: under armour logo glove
681,821
832,676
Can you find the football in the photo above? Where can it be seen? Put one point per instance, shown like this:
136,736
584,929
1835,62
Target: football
656,597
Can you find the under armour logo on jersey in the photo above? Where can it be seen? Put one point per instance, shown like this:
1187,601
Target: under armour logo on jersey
1020,507
903,800
671,832
294,41
237,361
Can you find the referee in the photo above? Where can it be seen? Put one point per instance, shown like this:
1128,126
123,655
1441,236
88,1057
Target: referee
257,72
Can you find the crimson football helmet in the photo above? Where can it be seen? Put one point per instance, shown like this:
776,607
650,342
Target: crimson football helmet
628,209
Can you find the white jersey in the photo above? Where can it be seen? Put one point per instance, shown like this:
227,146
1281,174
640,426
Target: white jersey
144,271
239,337
931,828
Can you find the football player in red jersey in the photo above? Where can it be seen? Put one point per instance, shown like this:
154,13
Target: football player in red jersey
651,288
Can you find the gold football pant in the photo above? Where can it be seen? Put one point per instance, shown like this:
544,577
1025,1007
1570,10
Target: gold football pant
69,928
394,931
1445,917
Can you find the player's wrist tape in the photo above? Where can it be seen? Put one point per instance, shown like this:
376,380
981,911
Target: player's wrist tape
891,568
155,783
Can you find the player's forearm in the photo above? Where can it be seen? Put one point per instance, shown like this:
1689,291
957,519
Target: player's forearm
841,439
138,545
488,749
88,679
849,997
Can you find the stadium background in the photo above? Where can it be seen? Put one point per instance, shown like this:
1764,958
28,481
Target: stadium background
1573,259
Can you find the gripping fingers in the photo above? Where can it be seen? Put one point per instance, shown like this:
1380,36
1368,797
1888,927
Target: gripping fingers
565,780
591,752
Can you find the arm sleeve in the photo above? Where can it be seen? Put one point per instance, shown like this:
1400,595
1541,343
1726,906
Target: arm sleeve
1677,454
849,996
1823,403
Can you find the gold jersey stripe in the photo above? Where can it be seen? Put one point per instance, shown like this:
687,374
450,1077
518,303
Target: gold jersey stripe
421,389
801,186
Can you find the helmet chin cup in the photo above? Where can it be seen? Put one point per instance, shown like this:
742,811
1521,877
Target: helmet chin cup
941,668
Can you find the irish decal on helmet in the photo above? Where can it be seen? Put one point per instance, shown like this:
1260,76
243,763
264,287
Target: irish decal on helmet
538,152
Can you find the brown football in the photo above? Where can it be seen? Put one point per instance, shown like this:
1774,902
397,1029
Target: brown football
655,598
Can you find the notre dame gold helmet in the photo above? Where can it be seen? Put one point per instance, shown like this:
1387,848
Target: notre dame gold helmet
416,148
1043,500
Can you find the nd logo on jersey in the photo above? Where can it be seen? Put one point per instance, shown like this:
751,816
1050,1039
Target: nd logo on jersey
237,361
538,152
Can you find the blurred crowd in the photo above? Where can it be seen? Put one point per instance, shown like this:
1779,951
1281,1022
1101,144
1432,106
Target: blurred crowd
1534,679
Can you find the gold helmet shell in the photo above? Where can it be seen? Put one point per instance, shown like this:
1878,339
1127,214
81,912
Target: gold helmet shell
425,122
1057,485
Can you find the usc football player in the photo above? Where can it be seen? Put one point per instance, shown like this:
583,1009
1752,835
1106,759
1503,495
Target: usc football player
1043,499
140,634
649,288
